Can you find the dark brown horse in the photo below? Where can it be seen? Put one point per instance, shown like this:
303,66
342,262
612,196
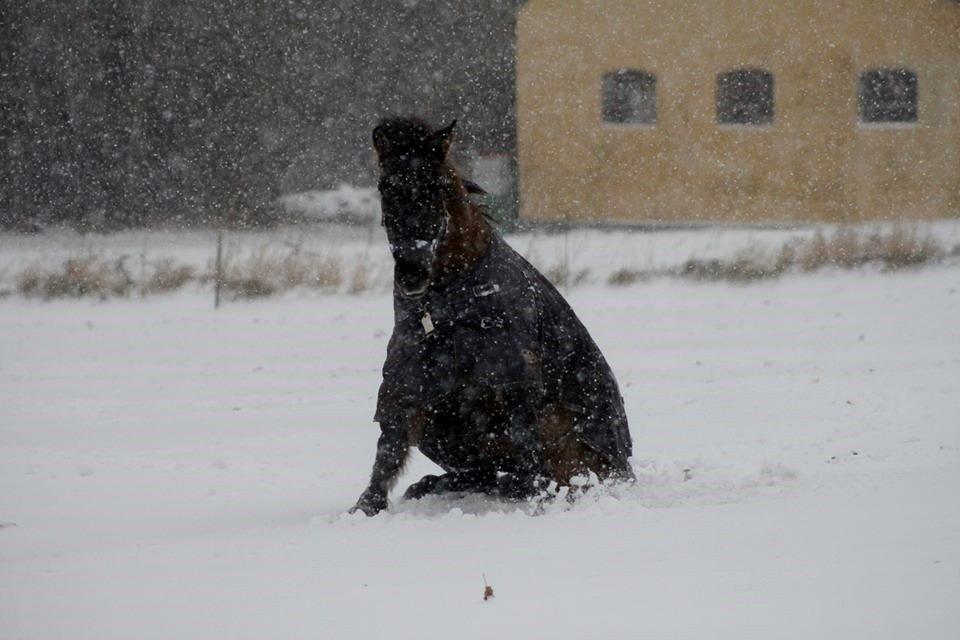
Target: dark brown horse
488,372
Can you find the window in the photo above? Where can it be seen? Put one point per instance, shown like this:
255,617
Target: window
745,96
888,95
629,97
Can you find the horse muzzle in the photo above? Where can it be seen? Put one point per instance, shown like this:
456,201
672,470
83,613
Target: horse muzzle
413,260
412,272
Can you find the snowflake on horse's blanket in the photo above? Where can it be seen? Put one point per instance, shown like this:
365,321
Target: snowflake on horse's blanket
488,371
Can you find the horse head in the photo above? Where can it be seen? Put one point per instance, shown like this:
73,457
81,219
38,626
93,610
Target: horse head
416,184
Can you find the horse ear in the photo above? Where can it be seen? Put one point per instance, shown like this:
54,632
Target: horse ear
380,142
443,138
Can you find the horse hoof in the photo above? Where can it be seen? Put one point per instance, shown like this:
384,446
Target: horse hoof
370,503
424,486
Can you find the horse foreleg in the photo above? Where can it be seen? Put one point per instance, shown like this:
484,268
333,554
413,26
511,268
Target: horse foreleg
392,449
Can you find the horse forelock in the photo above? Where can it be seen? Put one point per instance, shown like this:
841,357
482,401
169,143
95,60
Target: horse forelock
406,136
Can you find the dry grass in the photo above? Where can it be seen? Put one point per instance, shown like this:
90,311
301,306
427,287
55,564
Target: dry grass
76,278
268,271
894,249
624,277
561,276
361,278
271,269
905,248
897,248
748,265
167,276
262,273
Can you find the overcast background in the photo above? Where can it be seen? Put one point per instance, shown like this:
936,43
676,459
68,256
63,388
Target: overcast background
120,113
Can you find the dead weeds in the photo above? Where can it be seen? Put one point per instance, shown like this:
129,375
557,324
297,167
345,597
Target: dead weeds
268,271
76,278
271,270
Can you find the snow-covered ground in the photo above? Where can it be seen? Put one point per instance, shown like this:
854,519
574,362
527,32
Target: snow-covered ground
171,471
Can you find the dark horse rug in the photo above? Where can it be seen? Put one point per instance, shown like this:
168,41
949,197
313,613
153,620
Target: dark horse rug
503,325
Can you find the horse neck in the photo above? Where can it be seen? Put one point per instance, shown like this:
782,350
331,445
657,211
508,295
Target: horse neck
467,239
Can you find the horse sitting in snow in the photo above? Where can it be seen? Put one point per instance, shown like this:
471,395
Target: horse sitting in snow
489,372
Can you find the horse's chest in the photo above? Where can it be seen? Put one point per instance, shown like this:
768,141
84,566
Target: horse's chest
489,343
477,341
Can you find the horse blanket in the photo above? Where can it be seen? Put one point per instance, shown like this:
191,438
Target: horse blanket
502,324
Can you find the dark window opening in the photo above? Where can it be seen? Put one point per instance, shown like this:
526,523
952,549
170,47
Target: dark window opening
629,97
888,95
745,96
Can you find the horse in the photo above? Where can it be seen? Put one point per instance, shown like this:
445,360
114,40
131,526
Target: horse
489,372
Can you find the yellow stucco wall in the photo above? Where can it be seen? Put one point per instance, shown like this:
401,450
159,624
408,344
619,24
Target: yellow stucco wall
816,162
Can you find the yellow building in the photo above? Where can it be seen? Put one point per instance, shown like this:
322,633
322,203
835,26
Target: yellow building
738,110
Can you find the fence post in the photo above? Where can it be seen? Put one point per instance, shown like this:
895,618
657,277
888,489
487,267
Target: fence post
218,271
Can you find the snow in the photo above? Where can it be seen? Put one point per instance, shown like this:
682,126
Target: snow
171,471
346,203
